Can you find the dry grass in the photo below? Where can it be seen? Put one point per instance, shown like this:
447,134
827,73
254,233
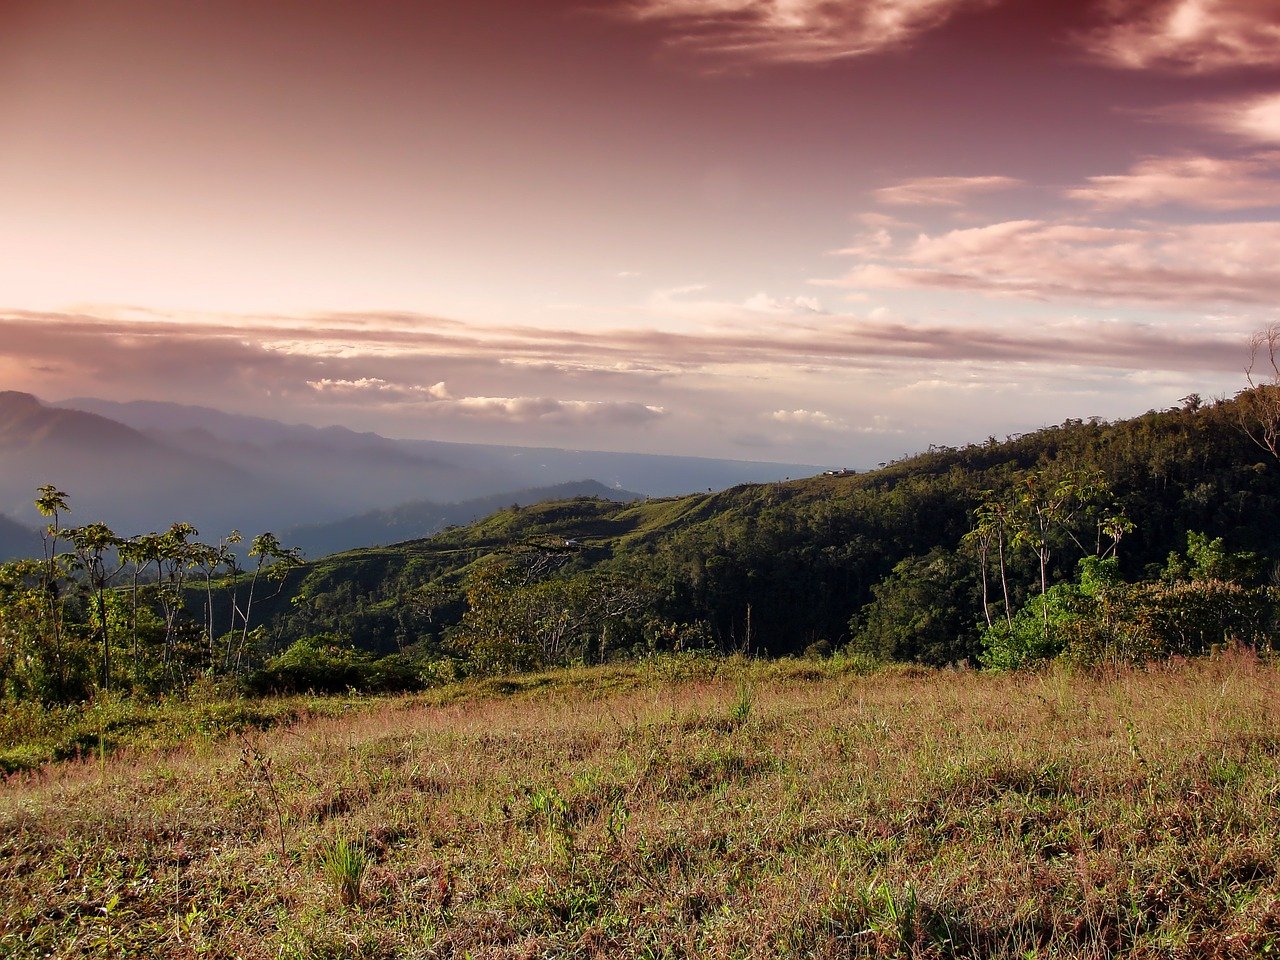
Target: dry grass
763,811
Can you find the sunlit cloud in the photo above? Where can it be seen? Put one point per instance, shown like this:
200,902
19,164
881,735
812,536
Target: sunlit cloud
1254,118
941,191
1188,36
381,390
437,400
1209,183
1155,265
547,410
793,31
622,367
807,418
689,303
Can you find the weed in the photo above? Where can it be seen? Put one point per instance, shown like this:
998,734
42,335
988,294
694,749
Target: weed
257,767
343,864
741,712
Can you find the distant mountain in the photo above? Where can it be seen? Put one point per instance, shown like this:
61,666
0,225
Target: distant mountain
343,471
117,474
423,518
375,472
17,541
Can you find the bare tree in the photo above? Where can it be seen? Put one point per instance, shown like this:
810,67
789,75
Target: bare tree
1259,407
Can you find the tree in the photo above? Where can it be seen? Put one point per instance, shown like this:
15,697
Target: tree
94,545
992,529
1258,408
922,612
52,503
274,561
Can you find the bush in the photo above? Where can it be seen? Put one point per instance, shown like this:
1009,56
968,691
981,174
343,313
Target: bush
920,613
323,664
1144,621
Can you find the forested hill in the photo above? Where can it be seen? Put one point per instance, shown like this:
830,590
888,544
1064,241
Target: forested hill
777,568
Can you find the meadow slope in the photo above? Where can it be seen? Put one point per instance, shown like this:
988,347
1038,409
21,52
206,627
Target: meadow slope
683,807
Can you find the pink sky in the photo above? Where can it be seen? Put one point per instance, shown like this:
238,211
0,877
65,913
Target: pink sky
786,229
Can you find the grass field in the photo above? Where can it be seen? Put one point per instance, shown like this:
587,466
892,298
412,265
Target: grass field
684,808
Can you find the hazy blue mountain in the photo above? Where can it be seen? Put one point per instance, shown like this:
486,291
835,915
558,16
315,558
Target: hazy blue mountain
410,521
346,471
142,466
379,471
17,540
136,482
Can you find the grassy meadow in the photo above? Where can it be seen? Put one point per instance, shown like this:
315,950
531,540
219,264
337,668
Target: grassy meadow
683,807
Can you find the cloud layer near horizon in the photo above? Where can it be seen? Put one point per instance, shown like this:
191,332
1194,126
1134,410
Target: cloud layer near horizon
1169,265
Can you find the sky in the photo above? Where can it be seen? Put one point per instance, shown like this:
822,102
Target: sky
790,230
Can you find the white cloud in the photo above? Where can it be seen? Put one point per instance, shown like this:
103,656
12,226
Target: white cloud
437,400
807,418
1206,182
941,191
1156,265
377,388
763,303
549,410
678,303
1189,36
1255,118
793,31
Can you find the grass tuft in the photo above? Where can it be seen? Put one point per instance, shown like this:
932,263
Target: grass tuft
343,864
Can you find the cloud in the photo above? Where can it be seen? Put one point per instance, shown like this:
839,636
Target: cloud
763,303
1254,118
1188,36
1208,183
547,410
437,400
941,191
380,389
808,418
792,31
209,364
1156,265
679,303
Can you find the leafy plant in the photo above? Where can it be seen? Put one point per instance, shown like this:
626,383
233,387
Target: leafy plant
343,864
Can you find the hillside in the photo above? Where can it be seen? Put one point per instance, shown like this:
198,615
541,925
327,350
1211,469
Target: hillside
782,566
424,518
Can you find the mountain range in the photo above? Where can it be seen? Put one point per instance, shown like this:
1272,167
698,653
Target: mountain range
143,465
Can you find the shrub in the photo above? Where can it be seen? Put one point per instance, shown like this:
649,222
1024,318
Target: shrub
323,664
1147,620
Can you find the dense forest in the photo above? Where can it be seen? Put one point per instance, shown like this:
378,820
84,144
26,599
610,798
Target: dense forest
1090,540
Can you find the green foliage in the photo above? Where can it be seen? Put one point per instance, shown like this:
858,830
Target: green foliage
777,568
1144,621
909,562
1052,622
325,664
1208,559
923,612
522,615
343,864
100,613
